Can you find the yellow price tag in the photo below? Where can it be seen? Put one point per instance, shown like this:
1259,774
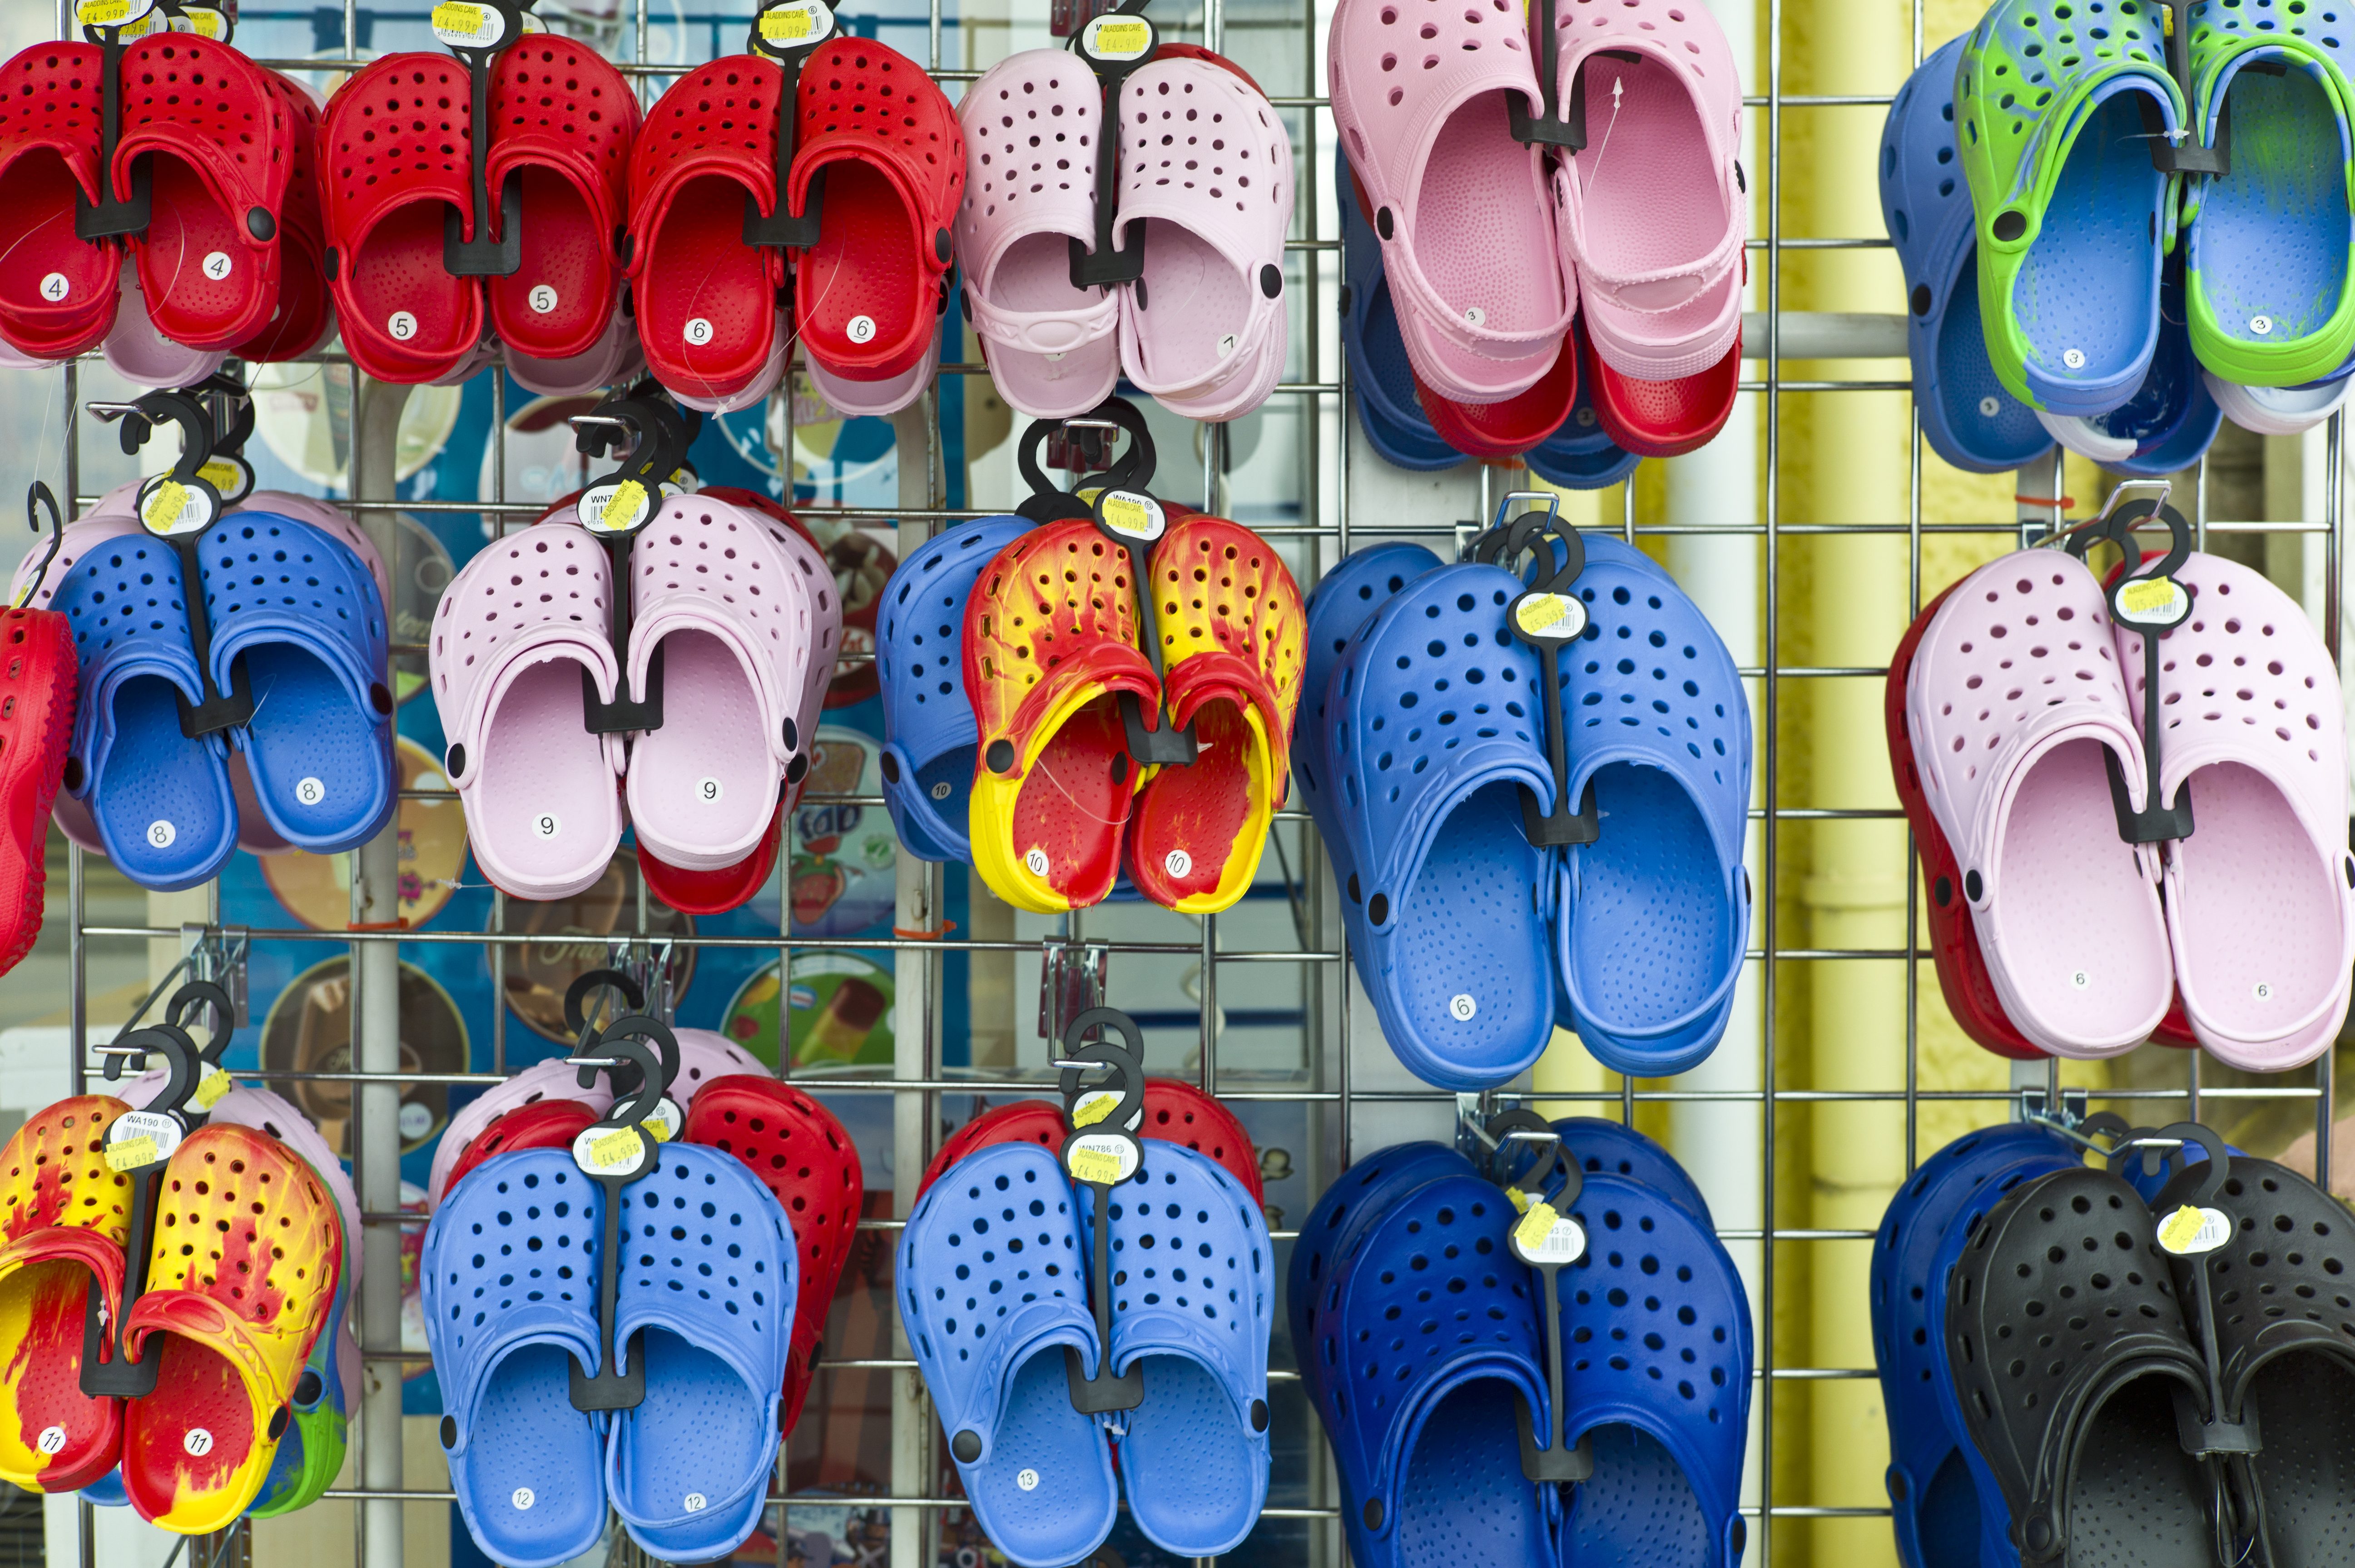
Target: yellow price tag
621,508
785,26
456,16
165,505
102,13
2148,594
1129,514
621,1146
1518,1198
659,1127
220,474
1095,1165
1094,1108
206,23
1539,610
1120,39
215,1083
1535,1226
130,1154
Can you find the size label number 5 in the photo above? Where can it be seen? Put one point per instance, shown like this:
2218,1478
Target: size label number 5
403,325
543,298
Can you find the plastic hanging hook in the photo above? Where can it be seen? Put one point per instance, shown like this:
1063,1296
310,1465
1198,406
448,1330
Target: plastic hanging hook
615,1152
37,496
1136,464
1546,1240
476,31
177,507
789,32
576,1011
2184,151
1548,618
613,509
1134,521
2153,603
1100,1152
111,24
1113,45
138,1145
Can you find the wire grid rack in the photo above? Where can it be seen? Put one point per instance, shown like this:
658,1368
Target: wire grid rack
1332,470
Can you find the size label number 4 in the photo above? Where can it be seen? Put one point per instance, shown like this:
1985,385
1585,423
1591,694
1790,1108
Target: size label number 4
217,265
56,287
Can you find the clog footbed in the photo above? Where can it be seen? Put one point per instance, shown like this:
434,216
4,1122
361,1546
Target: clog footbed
1342,603
1656,1328
218,140
1654,913
929,734
2271,284
304,312
800,1152
2013,697
543,811
1032,124
707,302
1655,207
1598,1145
1380,374
884,142
138,351
562,119
160,801
58,291
233,1318
393,158
1966,416
1935,1504
1174,1110
1581,454
2054,116
2260,895
38,676
1431,741
2172,419
64,1216
732,619
2090,1470
1193,1287
555,1079
1421,1405
1050,641
300,612
1469,245
1232,656
988,1325
510,1281
1205,169
707,1279
2284,1322
1660,419
548,1123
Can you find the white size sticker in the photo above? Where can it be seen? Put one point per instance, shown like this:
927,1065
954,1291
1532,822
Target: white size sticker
861,329
543,298
1226,346
695,1502
2079,979
52,1439
523,1498
217,265
310,791
2263,325
1475,316
699,330
1177,862
942,790
56,287
2263,991
1461,1006
401,325
547,824
1036,861
1989,406
2073,357
198,1441
161,834
709,791
1026,1480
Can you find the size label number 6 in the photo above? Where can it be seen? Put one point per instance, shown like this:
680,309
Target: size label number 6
698,331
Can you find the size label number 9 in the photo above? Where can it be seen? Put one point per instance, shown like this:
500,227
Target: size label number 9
546,824
707,791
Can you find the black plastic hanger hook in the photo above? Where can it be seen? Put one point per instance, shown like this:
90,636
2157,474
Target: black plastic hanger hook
497,24
1547,617
38,495
1113,45
2148,600
1099,1155
788,32
634,1156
